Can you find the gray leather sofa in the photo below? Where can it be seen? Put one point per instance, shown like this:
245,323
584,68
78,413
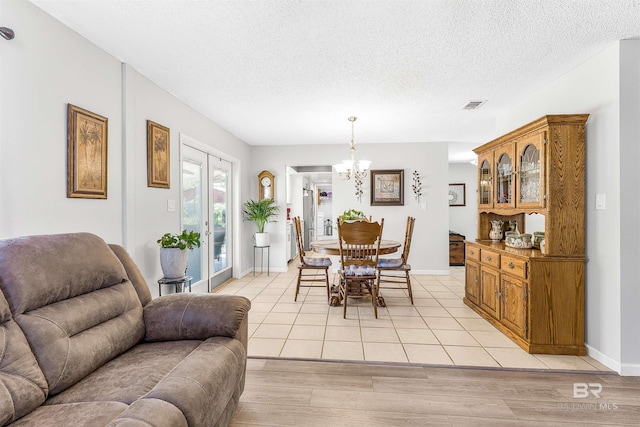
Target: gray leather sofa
83,343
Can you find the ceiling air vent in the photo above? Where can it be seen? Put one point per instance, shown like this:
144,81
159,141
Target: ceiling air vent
473,105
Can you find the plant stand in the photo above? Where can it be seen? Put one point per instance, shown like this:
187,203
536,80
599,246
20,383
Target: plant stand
262,248
179,283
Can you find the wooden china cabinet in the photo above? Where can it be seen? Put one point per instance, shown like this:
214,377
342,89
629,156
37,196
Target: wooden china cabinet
536,300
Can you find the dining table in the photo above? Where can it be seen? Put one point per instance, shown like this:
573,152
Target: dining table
332,247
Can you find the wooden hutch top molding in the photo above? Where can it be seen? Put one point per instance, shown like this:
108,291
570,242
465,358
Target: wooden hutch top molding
544,121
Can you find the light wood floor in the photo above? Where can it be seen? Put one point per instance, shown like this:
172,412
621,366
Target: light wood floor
326,394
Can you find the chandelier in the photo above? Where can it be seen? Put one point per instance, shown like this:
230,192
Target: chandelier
349,168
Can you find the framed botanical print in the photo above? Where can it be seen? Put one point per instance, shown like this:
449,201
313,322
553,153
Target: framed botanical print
86,154
158,155
387,187
457,196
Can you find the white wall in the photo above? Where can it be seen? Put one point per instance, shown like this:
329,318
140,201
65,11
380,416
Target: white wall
47,66
630,205
429,250
595,88
464,219
146,207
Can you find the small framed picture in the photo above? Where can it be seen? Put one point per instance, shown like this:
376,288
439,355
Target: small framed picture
158,155
387,187
457,195
86,154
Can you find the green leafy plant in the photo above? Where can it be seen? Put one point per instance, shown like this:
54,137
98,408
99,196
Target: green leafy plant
260,212
219,215
185,240
352,214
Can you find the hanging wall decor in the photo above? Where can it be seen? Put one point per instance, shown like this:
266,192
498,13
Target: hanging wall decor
86,154
158,155
387,187
457,195
417,186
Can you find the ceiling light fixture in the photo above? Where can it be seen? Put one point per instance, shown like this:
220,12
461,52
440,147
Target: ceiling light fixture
350,167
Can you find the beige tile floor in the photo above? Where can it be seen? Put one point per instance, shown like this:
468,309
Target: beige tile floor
437,330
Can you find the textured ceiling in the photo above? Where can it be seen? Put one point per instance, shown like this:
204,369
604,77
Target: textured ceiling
292,71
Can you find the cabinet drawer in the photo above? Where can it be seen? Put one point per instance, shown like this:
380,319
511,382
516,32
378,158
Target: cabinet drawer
472,253
490,258
515,266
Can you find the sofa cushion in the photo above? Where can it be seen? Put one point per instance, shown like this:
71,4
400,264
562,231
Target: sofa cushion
22,384
130,375
389,262
41,270
74,337
317,262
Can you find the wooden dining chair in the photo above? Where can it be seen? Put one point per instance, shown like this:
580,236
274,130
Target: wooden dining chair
309,267
359,244
396,270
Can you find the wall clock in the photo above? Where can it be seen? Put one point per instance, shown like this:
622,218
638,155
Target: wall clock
265,185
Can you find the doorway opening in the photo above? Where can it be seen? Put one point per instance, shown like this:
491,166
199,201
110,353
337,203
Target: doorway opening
309,196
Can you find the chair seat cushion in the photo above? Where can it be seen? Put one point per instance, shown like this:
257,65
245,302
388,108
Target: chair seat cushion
317,262
389,262
353,270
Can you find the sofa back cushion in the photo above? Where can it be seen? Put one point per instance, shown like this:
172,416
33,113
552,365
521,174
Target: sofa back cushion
22,384
72,298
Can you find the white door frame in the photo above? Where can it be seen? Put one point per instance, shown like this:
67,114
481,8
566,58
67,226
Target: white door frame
235,196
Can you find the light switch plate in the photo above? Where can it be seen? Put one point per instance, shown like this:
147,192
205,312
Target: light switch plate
171,205
600,201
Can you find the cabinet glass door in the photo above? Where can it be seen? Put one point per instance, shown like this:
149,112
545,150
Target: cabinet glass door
504,180
530,172
485,181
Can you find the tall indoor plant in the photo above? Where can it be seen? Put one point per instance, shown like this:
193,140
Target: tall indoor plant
261,213
173,252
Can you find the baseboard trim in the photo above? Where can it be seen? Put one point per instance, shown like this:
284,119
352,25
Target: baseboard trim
604,359
630,370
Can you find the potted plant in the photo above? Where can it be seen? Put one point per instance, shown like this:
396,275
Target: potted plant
261,213
173,252
352,215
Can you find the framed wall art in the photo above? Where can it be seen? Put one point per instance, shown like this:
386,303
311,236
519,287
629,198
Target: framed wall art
86,154
158,155
387,187
457,195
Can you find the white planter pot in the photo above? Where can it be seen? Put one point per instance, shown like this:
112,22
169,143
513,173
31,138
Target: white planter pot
173,262
262,239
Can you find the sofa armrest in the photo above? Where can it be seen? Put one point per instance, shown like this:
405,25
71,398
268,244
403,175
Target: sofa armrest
194,316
